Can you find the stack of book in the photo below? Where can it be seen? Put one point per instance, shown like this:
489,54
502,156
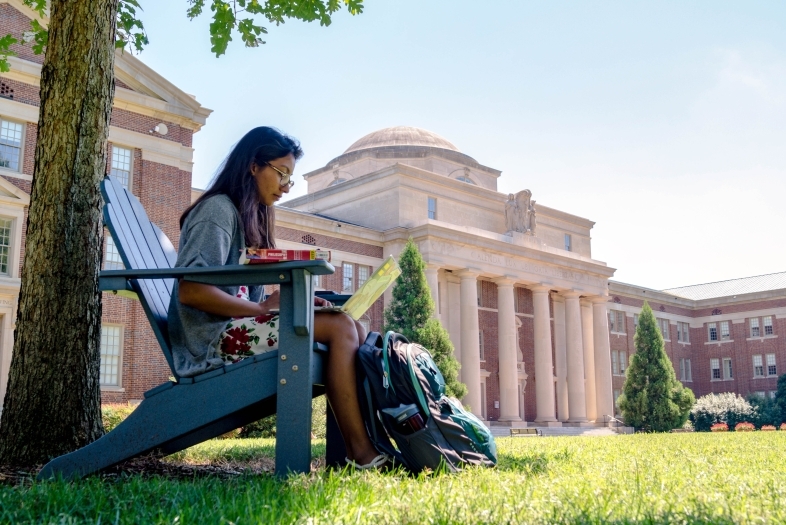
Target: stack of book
264,256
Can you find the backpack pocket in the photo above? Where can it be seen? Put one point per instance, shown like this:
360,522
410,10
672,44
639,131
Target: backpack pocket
425,448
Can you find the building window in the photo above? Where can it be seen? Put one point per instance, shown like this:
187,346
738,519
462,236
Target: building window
767,325
761,394
773,393
616,401
481,346
623,361
567,242
112,260
754,324
121,165
362,275
348,273
636,320
480,292
686,374
111,340
727,372
5,244
432,208
771,369
758,366
465,179
724,331
663,324
683,332
617,321
712,332
366,324
615,369
715,367
10,144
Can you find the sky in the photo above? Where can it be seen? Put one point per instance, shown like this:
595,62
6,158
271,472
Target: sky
663,122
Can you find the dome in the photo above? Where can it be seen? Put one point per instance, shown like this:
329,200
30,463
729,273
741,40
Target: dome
401,136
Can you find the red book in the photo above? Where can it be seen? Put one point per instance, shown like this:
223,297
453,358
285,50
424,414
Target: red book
262,256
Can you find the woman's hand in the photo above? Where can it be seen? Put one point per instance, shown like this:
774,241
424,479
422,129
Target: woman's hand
272,302
319,301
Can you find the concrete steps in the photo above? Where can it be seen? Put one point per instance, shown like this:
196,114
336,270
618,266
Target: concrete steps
561,431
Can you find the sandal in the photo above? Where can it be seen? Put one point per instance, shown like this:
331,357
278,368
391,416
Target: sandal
375,463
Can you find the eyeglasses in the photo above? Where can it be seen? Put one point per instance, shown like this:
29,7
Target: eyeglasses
285,177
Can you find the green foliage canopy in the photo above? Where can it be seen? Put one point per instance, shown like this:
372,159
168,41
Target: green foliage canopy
410,311
229,16
652,399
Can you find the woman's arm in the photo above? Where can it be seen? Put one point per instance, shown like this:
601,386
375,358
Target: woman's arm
210,299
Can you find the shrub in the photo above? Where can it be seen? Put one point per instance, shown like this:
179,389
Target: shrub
112,414
768,428
652,398
744,427
765,411
726,408
719,427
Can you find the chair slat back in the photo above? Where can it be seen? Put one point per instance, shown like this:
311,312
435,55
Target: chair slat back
141,245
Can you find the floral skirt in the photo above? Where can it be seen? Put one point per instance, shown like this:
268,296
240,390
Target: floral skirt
248,336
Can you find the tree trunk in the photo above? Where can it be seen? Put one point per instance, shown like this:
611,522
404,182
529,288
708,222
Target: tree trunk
52,405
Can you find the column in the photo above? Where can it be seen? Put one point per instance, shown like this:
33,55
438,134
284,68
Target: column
470,342
589,359
577,405
544,373
432,279
560,357
508,373
603,393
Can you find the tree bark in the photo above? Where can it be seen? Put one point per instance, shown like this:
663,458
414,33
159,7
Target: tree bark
53,402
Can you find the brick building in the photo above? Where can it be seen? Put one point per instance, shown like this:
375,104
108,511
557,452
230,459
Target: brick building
150,149
543,336
721,337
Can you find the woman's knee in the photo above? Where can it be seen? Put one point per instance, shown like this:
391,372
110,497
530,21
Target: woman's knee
336,328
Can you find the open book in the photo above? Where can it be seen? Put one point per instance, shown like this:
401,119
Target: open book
369,291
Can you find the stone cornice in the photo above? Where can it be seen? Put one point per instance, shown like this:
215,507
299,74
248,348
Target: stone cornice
161,99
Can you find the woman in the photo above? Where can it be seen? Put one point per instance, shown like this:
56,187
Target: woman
214,326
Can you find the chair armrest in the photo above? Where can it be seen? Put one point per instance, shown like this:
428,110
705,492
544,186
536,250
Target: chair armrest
239,274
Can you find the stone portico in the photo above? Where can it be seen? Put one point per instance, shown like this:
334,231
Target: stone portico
506,273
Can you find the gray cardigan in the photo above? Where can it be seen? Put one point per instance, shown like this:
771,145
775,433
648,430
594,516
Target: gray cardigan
212,235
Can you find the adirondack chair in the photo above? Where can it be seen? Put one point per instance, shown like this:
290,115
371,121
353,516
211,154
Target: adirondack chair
178,414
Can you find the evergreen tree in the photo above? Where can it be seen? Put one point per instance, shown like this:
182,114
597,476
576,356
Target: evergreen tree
409,314
652,398
780,397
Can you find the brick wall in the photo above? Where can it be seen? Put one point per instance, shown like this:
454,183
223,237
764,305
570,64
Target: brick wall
328,242
24,93
15,23
740,348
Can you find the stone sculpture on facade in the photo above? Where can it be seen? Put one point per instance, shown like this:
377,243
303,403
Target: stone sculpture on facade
520,213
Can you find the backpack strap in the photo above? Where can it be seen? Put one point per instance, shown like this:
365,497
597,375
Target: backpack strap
385,361
416,382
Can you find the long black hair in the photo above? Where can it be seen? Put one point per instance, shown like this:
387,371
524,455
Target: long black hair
234,179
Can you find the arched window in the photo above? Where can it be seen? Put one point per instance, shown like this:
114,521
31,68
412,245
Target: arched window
336,182
466,179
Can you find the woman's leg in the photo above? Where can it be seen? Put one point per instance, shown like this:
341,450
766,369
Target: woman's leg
342,336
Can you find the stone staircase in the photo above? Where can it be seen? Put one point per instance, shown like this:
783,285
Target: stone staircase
565,431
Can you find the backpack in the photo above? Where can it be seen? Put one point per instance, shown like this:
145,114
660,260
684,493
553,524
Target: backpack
402,396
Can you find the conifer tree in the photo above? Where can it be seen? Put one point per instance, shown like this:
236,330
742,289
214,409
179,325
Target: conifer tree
409,314
652,399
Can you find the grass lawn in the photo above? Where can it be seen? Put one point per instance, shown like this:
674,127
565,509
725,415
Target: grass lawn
668,478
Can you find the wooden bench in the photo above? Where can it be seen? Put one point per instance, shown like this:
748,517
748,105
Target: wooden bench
525,432
181,413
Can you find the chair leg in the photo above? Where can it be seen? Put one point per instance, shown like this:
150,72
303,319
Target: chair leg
335,449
